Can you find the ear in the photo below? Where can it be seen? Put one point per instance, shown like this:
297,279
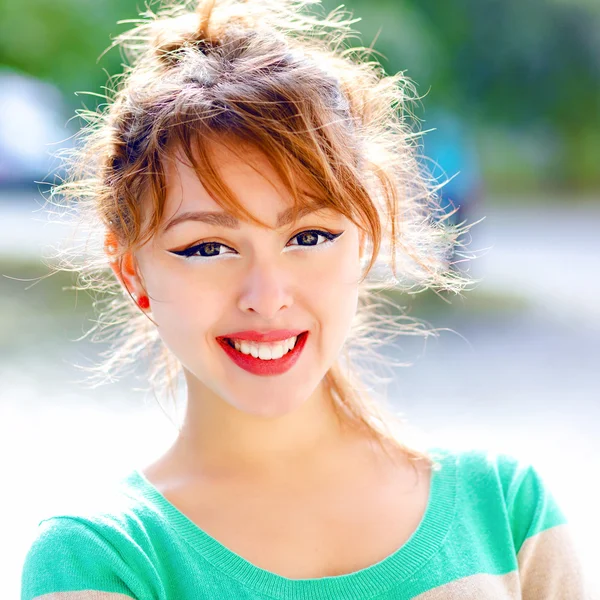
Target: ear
125,269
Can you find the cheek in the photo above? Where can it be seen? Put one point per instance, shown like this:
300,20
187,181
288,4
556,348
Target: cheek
187,304
181,304
333,287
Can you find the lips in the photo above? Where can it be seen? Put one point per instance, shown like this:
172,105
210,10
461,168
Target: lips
256,366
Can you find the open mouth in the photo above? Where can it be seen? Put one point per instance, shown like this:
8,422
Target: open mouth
266,352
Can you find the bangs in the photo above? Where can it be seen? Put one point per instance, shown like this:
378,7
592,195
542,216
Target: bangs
194,146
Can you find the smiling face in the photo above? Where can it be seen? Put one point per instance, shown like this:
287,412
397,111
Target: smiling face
210,279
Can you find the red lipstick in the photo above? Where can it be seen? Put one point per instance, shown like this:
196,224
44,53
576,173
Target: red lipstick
257,366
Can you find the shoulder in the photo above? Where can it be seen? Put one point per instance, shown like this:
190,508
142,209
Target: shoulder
112,510
70,553
506,484
510,470
98,542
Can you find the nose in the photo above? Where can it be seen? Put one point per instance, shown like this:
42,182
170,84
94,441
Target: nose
266,289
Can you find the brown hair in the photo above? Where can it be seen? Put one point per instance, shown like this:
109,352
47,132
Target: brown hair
270,74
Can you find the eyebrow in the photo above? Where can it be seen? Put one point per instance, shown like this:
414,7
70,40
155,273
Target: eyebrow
224,219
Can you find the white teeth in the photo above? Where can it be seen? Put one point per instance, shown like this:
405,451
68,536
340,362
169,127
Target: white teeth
279,351
265,351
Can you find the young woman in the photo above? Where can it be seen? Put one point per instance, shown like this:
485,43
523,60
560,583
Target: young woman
246,177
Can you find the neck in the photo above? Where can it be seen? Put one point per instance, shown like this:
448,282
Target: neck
216,438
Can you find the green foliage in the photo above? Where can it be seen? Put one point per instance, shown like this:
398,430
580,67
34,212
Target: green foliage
60,41
527,66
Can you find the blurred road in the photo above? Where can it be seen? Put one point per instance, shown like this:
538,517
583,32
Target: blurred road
550,254
521,380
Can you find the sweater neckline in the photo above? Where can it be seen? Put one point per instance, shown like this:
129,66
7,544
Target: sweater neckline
391,571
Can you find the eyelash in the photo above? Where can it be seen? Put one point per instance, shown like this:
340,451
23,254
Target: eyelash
189,252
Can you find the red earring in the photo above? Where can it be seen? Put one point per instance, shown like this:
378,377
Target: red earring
143,302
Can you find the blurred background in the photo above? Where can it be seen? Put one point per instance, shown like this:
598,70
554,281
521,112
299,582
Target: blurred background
511,92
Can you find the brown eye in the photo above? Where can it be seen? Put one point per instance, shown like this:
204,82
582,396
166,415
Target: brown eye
211,249
310,237
203,250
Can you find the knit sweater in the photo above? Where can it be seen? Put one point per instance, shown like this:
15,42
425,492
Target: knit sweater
491,530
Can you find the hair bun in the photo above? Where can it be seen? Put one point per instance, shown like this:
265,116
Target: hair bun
205,27
170,36
204,12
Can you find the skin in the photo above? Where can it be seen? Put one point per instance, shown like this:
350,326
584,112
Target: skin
254,450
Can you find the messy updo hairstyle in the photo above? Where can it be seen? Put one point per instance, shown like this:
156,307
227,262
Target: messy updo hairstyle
281,76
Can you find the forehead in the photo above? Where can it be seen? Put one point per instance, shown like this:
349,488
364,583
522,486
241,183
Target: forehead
250,177
240,166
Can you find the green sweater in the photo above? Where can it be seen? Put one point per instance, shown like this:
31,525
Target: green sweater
491,530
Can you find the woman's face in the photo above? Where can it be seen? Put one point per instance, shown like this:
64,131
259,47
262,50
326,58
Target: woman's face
247,277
